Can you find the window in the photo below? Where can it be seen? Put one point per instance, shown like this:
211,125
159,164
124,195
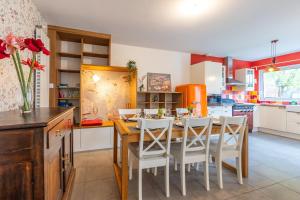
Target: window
283,85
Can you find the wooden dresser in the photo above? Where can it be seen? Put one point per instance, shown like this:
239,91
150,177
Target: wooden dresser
36,154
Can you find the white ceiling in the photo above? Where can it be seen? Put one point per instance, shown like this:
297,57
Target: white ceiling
238,28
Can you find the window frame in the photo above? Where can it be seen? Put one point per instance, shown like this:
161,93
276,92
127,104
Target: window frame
261,85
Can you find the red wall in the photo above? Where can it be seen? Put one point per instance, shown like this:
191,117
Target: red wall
283,60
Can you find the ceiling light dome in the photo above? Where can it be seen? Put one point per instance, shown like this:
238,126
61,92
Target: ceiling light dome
190,8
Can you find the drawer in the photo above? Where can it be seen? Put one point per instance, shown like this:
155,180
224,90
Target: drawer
16,140
292,117
56,133
293,127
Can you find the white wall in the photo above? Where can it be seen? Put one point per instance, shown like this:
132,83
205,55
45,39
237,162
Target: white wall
154,60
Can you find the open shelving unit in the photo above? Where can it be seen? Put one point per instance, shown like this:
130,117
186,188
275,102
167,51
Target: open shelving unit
70,49
154,100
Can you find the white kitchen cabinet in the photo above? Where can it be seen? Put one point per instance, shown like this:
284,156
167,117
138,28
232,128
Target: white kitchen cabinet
217,111
272,117
293,122
212,74
256,117
247,77
86,139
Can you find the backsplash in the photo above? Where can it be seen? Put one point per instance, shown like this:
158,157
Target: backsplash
238,96
19,17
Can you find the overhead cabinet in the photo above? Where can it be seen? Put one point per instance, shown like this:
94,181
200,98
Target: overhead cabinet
246,76
212,74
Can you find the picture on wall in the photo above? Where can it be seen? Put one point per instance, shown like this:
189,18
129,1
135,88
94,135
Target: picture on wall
157,82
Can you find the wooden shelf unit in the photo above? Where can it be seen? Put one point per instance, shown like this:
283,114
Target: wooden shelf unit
70,48
153,100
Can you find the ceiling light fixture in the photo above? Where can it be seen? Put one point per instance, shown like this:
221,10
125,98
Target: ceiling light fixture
96,78
272,67
190,8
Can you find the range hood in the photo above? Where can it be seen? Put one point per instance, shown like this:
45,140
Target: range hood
229,80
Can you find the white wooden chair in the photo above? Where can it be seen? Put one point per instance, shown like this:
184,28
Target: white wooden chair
154,153
229,145
194,148
150,111
124,112
181,111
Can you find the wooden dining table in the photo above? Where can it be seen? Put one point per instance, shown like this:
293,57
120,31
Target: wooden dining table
128,133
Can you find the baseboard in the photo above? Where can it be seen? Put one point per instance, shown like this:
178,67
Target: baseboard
279,133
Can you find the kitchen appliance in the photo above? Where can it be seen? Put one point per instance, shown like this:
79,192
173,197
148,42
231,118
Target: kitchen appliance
244,109
230,81
214,100
194,95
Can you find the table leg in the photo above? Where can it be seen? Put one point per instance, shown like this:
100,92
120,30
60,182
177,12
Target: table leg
245,158
124,170
115,145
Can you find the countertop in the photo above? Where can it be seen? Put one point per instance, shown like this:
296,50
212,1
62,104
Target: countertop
37,118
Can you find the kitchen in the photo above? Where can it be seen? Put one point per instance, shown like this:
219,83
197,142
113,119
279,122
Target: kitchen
85,97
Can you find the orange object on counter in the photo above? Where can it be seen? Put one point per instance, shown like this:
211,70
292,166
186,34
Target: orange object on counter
194,95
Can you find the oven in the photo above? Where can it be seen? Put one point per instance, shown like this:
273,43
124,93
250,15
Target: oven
244,109
214,100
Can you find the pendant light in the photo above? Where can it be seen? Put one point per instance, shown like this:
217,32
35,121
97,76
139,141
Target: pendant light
272,67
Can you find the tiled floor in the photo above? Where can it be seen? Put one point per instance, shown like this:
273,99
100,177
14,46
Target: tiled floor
274,175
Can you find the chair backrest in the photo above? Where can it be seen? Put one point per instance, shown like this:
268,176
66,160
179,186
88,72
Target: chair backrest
124,112
181,111
150,111
196,134
235,127
158,130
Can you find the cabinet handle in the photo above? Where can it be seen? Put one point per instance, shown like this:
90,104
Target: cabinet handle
66,157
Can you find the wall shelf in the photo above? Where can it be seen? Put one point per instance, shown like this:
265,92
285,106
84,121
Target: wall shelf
68,52
69,55
154,100
96,55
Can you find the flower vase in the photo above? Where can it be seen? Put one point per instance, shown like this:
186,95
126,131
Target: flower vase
26,106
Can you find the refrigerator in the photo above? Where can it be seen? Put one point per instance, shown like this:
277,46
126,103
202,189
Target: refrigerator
194,95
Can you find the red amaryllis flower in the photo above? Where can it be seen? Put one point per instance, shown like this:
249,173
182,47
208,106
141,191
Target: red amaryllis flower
3,53
36,45
13,42
36,66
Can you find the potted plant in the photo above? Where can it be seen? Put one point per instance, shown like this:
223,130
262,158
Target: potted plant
190,109
10,47
131,65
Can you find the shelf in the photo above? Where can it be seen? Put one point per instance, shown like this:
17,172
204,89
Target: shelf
148,92
68,88
69,70
69,98
96,55
69,55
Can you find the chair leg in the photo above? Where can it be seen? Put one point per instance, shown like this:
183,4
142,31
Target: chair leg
155,171
197,166
239,169
167,179
140,183
175,165
219,172
182,174
130,169
189,168
206,175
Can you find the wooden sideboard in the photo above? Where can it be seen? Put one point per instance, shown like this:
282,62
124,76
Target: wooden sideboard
36,154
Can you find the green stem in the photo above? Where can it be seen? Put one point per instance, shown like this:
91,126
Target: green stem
21,71
31,71
19,75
